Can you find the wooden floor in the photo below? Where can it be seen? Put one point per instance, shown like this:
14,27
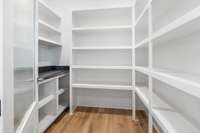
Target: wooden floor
99,120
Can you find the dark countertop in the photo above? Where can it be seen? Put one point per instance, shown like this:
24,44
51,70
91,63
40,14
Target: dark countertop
48,72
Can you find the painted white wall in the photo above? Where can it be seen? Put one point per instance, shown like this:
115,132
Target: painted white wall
64,8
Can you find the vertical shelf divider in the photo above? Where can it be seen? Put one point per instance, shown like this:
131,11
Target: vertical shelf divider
133,63
150,48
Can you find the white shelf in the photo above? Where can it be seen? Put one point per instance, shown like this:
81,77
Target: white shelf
102,86
49,8
61,91
102,67
126,27
60,109
45,123
48,42
143,94
45,100
102,48
169,120
146,7
183,81
49,27
173,122
143,43
143,70
103,8
181,26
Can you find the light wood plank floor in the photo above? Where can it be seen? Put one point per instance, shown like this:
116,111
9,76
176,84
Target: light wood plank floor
99,120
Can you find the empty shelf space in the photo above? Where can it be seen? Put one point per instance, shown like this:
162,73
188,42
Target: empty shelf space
45,100
144,70
143,44
174,110
102,48
143,94
60,109
46,26
142,30
173,122
140,7
102,58
102,86
102,78
102,17
142,57
44,41
45,123
180,27
46,12
183,81
173,10
102,67
103,38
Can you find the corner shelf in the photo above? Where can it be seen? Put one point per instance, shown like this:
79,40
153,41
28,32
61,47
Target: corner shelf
162,38
100,36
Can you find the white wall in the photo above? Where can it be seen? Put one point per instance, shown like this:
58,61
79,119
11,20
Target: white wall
64,8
